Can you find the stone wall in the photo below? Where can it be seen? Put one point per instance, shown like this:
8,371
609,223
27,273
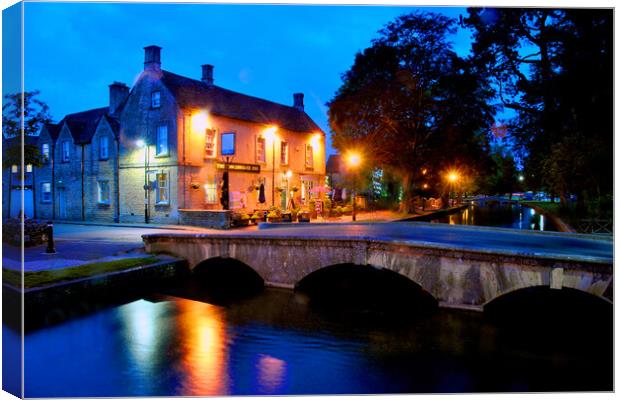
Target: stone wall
456,278
45,210
68,193
218,219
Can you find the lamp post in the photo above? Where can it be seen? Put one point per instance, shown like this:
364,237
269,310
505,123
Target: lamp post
453,177
354,160
142,144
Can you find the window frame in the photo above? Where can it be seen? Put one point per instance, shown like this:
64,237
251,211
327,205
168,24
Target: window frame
44,192
284,155
209,132
100,192
161,126
166,188
65,155
211,188
263,140
309,156
104,139
45,154
156,95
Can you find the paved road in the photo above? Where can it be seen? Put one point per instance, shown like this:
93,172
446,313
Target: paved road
463,237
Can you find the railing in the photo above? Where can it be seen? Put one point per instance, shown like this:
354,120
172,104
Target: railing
598,226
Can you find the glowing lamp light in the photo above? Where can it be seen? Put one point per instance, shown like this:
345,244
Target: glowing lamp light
453,176
521,178
315,141
425,186
140,143
354,159
289,173
200,121
270,133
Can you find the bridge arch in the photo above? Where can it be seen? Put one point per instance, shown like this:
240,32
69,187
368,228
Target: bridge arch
543,302
366,285
227,274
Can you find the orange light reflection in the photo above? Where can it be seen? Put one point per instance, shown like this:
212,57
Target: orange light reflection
204,359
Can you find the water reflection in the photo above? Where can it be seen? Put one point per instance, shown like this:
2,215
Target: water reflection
506,216
274,344
203,342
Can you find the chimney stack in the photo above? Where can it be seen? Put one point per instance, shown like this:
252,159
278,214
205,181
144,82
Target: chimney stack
152,61
118,93
298,101
207,74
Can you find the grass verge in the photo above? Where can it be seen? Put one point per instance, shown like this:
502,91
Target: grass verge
49,277
551,208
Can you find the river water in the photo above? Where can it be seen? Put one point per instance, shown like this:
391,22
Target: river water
513,216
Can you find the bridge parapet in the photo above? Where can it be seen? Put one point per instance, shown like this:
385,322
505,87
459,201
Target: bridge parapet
456,277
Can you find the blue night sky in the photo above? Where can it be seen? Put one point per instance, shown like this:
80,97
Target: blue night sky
74,51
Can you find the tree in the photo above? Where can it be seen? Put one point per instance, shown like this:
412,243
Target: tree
554,68
414,101
35,114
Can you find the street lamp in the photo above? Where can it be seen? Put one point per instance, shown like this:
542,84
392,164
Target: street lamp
270,134
354,160
453,177
140,143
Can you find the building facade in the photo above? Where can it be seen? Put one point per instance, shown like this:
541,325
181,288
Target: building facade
163,146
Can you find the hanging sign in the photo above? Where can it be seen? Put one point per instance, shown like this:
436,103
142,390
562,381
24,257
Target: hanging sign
239,167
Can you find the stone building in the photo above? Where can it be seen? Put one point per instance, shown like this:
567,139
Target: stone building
159,150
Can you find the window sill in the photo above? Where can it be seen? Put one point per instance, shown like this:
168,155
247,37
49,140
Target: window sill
104,159
162,204
162,155
103,205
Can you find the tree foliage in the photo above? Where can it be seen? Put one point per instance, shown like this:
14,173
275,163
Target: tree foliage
34,112
413,102
554,68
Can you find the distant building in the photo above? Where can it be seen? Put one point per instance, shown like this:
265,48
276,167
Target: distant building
162,147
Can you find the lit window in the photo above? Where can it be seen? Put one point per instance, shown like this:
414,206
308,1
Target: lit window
65,151
228,144
29,168
103,148
155,99
162,140
162,188
14,169
284,153
309,156
209,143
46,192
211,193
45,152
103,192
260,149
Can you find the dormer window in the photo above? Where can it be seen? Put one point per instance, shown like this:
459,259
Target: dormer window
65,150
155,99
103,148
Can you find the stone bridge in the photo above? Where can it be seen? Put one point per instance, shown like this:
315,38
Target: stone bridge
462,267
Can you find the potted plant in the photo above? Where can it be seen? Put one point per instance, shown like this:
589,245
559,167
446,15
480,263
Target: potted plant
256,217
273,216
244,219
312,208
303,215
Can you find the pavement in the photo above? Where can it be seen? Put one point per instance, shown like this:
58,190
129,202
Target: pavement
85,243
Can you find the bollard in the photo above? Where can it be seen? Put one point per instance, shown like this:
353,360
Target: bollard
50,238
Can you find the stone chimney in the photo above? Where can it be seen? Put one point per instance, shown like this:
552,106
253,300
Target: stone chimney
298,101
118,93
152,61
207,74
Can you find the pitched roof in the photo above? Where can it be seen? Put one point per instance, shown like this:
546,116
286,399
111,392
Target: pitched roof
114,124
82,125
334,164
191,93
53,130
